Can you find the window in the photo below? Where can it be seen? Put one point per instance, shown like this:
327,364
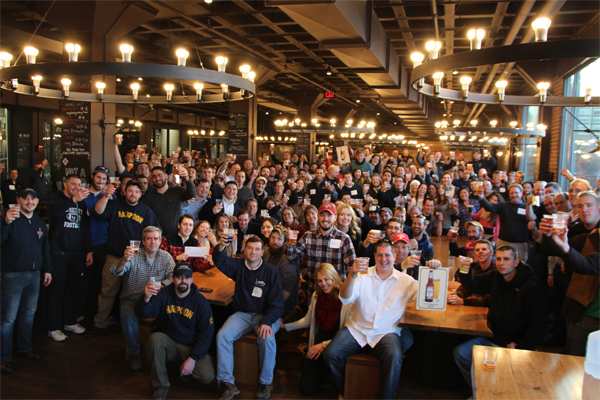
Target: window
4,137
577,145
529,159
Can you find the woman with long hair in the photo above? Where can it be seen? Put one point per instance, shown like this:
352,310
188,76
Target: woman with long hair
348,222
224,229
325,316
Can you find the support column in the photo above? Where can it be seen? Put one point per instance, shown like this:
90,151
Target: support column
243,125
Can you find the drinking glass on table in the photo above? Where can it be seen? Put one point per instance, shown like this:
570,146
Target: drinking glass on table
490,357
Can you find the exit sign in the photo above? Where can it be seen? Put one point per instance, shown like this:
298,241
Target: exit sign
329,94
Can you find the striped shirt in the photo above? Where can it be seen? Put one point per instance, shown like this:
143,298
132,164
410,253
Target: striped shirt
139,269
334,247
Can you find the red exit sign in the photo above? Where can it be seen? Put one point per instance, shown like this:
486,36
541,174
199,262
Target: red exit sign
329,94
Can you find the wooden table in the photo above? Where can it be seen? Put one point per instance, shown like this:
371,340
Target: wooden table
464,320
523,374
222,287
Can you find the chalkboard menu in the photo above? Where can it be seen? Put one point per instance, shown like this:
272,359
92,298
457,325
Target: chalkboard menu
238,135
303,144
75,138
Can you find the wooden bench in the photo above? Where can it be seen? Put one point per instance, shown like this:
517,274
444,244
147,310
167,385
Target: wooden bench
247,366
362,378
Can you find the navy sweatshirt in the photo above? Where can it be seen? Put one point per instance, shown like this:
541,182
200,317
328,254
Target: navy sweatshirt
25,245
257,291
513,220
69,225
187,320
126,222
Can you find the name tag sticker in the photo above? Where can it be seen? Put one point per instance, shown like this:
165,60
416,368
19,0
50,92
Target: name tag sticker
335,243
502,190
11,187
313,191
257,292
521,211
353,192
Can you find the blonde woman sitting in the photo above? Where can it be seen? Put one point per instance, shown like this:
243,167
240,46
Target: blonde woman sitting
325,316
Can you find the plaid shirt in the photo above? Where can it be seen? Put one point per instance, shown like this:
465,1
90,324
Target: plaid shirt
317,249
138,270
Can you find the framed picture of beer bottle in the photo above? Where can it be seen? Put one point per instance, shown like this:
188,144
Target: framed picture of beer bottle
433,289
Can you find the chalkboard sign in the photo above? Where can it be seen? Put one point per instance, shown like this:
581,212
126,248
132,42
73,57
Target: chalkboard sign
303,144
75,138
238,135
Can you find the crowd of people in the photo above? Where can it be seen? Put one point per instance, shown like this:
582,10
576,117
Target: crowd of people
295,236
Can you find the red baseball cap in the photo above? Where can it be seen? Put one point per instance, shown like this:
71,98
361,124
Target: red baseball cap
399,237
328,207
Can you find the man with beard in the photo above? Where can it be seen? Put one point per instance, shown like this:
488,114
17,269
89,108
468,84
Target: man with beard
183,332
260,192
275,255
138,266
98,240
126,220
166,201
327,245
474,233
418,233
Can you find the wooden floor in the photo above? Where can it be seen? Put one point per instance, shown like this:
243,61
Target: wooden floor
92,366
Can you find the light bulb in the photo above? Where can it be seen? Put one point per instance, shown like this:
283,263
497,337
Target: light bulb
126,51
135,89
416,57
475,37
58,121
225,90
5,59
433,47
244,69
456,123
513,124
73,50
169,87
182,55
501,87
588,95
349,122
474,122
138,124
66,84
100,86
332,121
541,127
518,153
494,123
36,79
221,62
529,126
251,76
30,54
465,82
540,27
543,90
198,87
314,121
437,81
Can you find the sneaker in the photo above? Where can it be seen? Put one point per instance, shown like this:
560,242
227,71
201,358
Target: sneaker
75,328
264,391
230,391
135,362
57,335
160,393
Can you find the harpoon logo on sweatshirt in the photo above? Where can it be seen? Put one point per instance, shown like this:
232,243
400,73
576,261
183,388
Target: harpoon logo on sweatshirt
186,312
130,215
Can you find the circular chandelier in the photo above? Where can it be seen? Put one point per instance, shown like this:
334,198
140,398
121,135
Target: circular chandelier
492,135
436,66
11,76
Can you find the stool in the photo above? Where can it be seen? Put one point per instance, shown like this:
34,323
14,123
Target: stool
362,377
246,368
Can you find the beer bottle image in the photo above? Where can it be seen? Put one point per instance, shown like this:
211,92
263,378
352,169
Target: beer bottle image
429,288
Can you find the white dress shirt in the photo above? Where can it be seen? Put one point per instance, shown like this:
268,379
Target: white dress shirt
378,305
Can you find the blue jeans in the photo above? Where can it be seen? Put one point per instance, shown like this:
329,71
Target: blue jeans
236,326
20,292
463,355
130,325
389,350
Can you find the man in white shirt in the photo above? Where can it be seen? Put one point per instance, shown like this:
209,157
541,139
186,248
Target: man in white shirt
380,295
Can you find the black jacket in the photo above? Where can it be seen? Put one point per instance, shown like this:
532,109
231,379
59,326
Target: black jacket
25,245
517,309
167,206
69,225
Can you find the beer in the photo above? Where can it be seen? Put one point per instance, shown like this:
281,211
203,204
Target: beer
429,288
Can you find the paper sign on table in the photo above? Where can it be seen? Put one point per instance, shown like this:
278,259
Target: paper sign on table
193,251
433,289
